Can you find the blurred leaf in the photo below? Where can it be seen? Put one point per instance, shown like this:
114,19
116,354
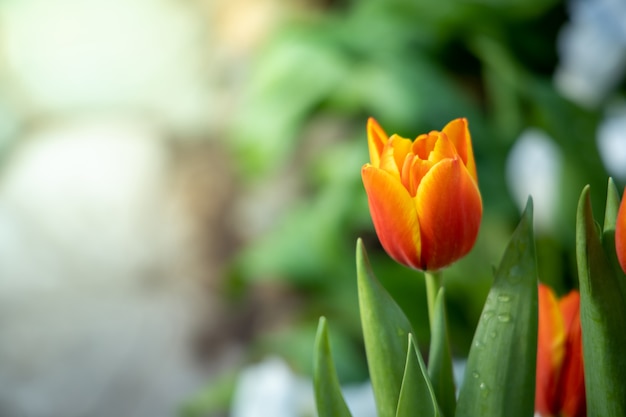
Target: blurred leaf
294,74
216,398
440,359
417,397
503,78
328,396
280,252
500,374
385,331
293,343
602,315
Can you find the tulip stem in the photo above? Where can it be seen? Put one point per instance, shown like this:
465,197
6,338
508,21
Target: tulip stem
434,281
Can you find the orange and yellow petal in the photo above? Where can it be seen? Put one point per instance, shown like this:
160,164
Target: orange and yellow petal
376,140
394,216
458,132
444,148
620,233
572,399
550,351
414,170
424,144
449,208
393,155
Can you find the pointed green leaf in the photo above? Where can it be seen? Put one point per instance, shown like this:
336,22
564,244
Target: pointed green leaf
608,231
602,316
417,397
385,332
612,206
328,396
500,375
440,359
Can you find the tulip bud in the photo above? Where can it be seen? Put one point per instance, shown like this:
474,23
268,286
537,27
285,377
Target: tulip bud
620,233
423,195
560,382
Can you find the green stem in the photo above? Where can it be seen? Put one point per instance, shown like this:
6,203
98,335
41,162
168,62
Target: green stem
434,281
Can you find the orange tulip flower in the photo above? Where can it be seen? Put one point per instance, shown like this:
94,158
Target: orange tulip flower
423,194
620,233
560,387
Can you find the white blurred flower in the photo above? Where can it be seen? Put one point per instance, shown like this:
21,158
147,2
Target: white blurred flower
592,50
611,139
534,168
270,388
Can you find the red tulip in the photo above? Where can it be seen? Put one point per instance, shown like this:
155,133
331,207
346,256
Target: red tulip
620,233
560,387
423,194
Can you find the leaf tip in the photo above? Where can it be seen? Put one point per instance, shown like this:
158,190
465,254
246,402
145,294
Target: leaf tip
528,210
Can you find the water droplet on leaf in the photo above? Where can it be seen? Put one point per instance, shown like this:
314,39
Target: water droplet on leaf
484,389
504,317
487,315
504,298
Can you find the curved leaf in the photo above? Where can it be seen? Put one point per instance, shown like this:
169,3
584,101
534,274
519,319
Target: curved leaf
417,397
602,316
500,375
385,332
440,359
328,396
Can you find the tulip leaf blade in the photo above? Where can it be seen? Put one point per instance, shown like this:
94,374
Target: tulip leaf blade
602,316
440,359
417,396
500,375
608,231
385,333
328,397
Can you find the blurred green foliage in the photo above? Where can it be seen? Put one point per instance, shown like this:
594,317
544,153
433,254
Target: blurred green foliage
414,65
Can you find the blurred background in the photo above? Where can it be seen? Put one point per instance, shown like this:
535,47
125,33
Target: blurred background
180,189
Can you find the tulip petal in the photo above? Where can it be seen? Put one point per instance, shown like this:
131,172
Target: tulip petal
458,132
394,216
449,209
429,150
620,233
412,177
572,400
394,154
434,147
550,352
424,144
376,140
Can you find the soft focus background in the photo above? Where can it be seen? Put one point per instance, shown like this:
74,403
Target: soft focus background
180,189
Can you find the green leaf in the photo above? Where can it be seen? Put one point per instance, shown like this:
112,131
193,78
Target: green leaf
213,399
440,359
602,316
328,396
417,397
385,332
500,375
608,231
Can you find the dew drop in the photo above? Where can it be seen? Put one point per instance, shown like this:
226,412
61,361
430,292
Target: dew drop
504,298
476,375
484,389
493,335
487,315
504,317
